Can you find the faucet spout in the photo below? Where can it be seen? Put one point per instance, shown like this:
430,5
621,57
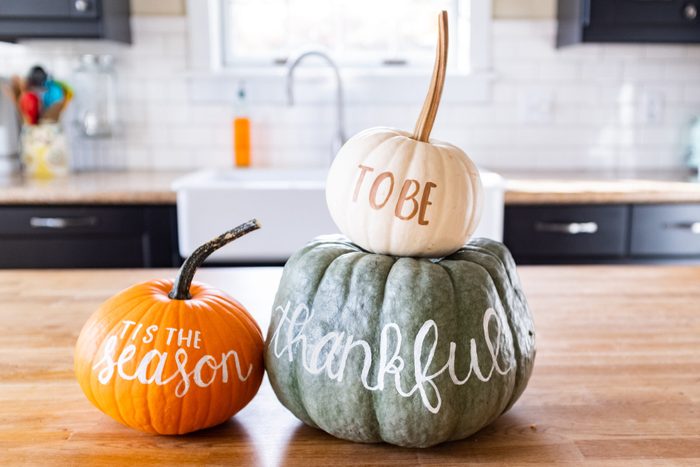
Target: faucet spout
292,64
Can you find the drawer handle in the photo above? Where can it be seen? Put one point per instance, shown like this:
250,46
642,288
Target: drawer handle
62,222
694,227
569,228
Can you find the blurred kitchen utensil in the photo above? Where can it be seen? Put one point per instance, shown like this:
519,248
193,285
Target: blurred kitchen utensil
12,90
53,93
37,77
16,85
40,100
38,97
52,112
67,91
29,107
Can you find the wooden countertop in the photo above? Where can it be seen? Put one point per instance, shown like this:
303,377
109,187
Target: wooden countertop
616,381
521,188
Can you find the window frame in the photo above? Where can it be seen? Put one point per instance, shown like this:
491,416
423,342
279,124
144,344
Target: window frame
265,84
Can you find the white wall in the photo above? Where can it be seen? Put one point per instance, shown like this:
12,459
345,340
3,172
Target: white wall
605,106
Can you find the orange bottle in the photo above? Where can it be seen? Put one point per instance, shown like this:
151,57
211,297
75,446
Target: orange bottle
241,132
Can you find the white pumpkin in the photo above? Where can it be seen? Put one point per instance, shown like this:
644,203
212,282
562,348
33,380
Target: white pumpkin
399,193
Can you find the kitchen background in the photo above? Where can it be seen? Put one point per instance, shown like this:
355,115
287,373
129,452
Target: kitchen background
591,106
586,146
583,149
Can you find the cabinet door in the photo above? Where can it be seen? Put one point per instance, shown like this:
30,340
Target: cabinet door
558,232
65,19
87,236
73,252
640,21
57,9
645,13
665,230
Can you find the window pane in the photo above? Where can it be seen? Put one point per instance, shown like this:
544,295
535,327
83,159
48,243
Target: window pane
255,28
359,32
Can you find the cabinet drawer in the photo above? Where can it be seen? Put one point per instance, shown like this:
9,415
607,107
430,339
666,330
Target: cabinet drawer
88,236
665,229
79,220
566,230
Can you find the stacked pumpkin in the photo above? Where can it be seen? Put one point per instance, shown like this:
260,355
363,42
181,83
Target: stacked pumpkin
400,332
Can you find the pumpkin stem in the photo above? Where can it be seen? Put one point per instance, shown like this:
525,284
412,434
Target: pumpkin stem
183,280
424,125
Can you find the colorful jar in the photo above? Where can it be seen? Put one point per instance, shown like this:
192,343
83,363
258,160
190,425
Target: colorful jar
44,150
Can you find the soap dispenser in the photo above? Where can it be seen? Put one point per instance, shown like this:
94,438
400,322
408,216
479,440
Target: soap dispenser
241,130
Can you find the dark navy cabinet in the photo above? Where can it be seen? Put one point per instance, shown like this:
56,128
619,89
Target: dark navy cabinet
599,234
65,19
88,236
665,230
564,232
660,21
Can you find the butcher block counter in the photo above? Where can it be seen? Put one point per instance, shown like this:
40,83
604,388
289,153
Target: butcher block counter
616,380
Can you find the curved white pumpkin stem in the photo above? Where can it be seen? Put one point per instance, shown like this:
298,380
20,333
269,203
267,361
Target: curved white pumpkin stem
424,125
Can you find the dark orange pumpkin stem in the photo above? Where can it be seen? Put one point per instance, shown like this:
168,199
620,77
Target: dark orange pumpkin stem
181,286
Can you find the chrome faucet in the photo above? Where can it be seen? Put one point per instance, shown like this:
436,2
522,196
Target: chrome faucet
339,137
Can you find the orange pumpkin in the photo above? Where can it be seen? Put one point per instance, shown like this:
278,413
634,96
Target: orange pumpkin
171,357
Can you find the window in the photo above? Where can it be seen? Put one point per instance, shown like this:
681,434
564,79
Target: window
378,43
361,33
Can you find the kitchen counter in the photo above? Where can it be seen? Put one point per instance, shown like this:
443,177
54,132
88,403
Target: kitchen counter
521,188
566,187
92,188
617,378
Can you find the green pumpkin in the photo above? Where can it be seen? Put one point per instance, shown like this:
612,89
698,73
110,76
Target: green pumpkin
409,351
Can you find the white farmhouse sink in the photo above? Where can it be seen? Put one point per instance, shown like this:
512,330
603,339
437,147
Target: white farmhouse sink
290,205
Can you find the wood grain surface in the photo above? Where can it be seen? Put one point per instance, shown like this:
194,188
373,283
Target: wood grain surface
616,381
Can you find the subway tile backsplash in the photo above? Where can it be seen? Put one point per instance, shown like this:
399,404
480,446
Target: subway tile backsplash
588,106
